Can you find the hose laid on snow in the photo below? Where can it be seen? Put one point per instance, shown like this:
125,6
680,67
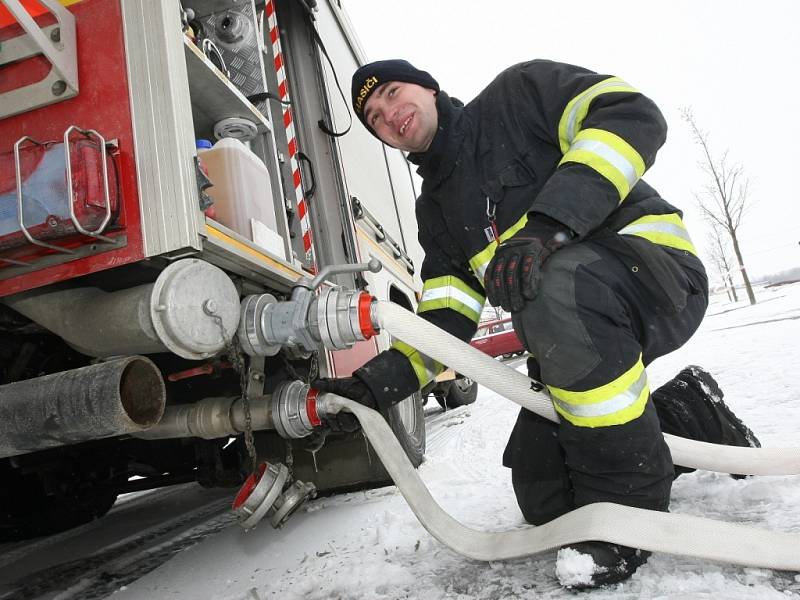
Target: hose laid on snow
650,530
500,378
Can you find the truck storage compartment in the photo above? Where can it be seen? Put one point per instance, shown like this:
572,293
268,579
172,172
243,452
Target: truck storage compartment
242,192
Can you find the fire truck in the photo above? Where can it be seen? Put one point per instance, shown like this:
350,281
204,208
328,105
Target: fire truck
176,178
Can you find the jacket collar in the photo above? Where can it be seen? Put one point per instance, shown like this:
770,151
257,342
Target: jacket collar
438,160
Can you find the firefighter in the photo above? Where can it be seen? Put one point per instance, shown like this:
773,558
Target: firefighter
532,198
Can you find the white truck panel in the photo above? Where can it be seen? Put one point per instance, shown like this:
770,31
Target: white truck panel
364,157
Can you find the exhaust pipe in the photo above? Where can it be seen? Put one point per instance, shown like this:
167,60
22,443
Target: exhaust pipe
99,401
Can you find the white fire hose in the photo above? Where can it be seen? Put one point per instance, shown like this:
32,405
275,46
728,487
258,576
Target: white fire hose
297,410
649,530
511,384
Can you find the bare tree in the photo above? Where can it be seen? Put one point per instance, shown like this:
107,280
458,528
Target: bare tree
725,198
498,314
719,258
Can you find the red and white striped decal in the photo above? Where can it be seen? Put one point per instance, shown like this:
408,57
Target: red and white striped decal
288,123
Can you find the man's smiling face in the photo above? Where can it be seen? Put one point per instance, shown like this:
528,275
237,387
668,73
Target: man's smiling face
403,115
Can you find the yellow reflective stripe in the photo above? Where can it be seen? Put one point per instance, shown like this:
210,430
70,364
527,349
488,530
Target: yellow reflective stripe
425,367
599,164
450,292
608,154
577,109
615,403
666,230
481,260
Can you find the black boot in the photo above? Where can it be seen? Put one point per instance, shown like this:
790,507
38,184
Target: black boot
732,431
592,564
691,406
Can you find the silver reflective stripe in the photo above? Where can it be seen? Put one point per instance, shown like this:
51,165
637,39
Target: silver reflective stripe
662,227
587,98
606,152
615,404
452,292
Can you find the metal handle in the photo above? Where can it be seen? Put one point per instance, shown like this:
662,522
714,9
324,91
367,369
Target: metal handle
20,217
309,193
374,265
70,192
71,195
11,261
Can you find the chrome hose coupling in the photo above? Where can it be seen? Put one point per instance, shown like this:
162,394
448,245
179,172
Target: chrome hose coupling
266,493
335,318
297,409
294,410
343,317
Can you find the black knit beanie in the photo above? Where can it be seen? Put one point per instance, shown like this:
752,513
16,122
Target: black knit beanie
367,78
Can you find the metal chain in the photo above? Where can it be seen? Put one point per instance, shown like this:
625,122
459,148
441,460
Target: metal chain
313,369
289,458
234,351
236,356
249,442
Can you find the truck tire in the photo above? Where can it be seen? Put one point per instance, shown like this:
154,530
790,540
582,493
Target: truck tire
462,391
28,509
407,420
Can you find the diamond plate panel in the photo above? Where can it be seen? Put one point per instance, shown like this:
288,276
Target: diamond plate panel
235,32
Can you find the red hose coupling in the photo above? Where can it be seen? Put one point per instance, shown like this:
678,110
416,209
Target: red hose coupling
294,409
365,316
266,493
311,408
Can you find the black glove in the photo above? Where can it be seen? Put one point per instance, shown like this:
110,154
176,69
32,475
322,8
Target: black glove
381,383
515,273
349,387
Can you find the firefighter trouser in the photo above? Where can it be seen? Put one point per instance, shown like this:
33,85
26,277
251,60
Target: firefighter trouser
601,315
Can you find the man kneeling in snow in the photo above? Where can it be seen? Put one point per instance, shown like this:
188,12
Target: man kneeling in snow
533,199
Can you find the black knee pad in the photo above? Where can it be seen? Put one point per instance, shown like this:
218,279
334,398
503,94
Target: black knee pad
541,500
540,478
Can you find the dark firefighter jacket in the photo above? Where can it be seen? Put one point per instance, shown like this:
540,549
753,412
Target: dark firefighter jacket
543,137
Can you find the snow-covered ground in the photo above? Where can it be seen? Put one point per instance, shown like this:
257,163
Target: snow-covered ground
369,544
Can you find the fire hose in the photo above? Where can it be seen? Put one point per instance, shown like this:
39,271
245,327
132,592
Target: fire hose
469,361
639,528
301,409
649,530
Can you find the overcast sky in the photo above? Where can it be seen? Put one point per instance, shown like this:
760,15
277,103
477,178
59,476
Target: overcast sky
735,63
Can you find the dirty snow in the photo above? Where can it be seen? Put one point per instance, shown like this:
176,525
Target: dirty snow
369,545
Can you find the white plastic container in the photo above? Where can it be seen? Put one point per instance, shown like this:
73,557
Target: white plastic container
242,192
